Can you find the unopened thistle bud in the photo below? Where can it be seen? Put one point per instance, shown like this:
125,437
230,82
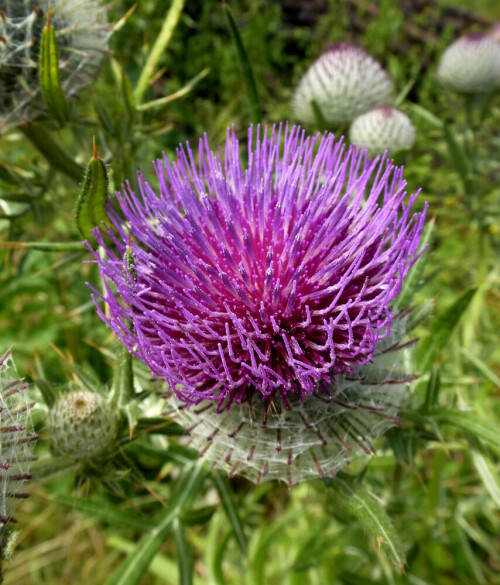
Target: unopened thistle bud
16,443
343,82
471,64
81,35
383,129
81,425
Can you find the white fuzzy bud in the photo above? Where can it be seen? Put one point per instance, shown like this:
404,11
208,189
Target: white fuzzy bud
383,129
81,425
344,81
471,64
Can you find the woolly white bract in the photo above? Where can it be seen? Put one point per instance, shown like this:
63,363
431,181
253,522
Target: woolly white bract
471,64
314,437
17,442
383,129
344,81
82,38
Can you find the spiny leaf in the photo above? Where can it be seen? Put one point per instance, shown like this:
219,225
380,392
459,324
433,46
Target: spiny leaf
90,210
50,82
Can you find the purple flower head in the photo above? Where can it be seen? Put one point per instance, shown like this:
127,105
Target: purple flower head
264,279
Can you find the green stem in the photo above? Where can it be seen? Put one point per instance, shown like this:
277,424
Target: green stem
52,151
158,49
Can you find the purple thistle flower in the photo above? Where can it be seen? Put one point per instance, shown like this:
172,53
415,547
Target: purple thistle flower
266,280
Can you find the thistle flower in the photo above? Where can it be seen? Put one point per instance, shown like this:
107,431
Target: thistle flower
260,285
471,64
81,425
82,36
344,82
16,442
383,129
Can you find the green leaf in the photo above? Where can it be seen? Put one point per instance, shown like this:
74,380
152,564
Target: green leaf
487,473
246,67
90,209
460,161
432,390
158,425
184,556
48,67
159,48
413,280
164,101
442,328
161,566
227,500
472,424
105,512
197,516
372,516
481,366
131,571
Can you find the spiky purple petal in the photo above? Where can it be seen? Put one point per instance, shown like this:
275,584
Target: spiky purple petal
269,277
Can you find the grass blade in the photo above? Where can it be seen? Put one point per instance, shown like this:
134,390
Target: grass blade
442,329
227,500
246,67
184,556
131,571
472,424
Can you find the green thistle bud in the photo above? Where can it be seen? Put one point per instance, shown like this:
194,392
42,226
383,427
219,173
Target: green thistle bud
90,209
81,425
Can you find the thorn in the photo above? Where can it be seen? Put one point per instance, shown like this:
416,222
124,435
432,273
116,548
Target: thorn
131,432
95,150
48,15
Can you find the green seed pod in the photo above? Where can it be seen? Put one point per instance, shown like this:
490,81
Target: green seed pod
90,209
50,82
81,425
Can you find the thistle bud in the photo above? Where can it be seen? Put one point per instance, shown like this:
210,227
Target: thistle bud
81,425
343,82
383,129
90,209
28,92
471,64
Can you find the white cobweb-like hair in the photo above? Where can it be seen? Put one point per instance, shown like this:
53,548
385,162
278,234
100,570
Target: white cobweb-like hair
16,440
315,437
82,37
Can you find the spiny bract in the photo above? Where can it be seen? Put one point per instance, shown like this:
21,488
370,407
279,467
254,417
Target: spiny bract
383,129
344,82
81,425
